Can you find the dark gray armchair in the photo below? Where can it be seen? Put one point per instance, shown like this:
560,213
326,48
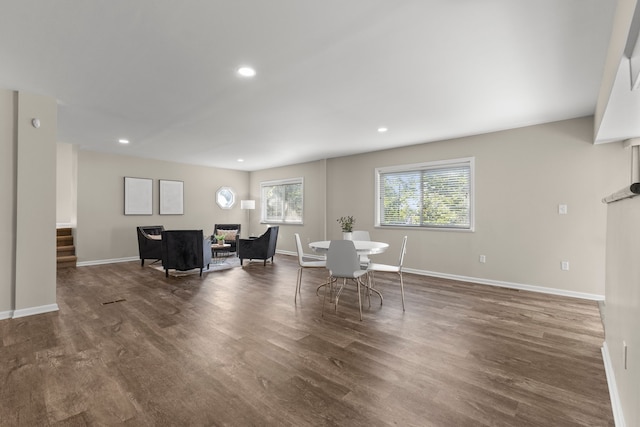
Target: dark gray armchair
233,237
149,243
263,247
185,250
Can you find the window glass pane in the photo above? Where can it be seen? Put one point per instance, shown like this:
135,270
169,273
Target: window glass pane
445,200
426,195
401,194
293,202
282,201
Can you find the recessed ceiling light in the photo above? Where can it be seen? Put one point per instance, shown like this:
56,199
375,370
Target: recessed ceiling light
382,129
246,71
241,160
123,141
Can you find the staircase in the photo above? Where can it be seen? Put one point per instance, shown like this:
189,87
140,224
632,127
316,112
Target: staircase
66,251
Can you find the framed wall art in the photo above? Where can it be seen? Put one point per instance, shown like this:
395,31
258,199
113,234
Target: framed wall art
138,196
171,197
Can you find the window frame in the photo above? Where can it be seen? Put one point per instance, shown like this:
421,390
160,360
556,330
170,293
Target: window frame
231,195
281,182
438,164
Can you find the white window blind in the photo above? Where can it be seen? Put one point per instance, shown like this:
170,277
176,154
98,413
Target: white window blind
434,195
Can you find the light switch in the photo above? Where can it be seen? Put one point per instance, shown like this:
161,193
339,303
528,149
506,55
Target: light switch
562,209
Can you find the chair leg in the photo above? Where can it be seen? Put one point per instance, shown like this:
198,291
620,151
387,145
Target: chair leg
402,289
360,300
166,272
371,280
344,282
368,289
324,284
142,262
325,297
200,271
299,280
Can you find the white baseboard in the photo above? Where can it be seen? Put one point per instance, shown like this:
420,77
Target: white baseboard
107,261
294,254
6,314
616,406
510,285
23,312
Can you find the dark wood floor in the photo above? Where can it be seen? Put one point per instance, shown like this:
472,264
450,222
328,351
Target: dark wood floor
231,348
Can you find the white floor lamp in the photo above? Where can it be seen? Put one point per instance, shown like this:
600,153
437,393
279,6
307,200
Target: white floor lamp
248,205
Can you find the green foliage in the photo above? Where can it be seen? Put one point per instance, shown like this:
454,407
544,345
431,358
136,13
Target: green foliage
346,223
431,198
283,202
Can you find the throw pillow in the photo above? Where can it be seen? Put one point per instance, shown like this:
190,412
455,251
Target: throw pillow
229,235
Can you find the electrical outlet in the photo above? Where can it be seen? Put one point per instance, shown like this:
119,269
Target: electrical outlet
482,259
564,265
562,209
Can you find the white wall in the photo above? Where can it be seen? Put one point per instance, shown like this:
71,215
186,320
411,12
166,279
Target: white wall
27,216
314,176
66,184
620,31
105,233
622,311
8,206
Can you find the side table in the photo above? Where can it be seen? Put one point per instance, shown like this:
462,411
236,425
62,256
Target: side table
218,249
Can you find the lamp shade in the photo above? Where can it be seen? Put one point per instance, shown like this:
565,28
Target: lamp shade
247,204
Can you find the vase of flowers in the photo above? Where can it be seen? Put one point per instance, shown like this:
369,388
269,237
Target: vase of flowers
346,224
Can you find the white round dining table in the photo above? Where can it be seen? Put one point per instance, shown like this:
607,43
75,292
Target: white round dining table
363,247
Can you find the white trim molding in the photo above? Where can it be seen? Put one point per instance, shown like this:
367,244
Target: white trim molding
6,314
107,261
510,285
616,405
23,312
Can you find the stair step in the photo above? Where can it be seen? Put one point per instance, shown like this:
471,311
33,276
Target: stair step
67,261
64,240
64,231
66,250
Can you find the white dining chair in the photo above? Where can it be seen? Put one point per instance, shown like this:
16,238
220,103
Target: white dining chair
304,263
362,235
343,263
373,267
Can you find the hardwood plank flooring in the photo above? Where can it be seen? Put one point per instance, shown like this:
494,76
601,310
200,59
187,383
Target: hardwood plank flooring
232,349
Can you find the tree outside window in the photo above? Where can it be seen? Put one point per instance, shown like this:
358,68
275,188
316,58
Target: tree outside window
433,195
282,201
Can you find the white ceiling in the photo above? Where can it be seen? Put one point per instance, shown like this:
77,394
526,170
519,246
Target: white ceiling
330,72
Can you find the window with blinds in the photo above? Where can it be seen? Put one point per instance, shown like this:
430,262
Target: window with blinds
434,195
282,201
